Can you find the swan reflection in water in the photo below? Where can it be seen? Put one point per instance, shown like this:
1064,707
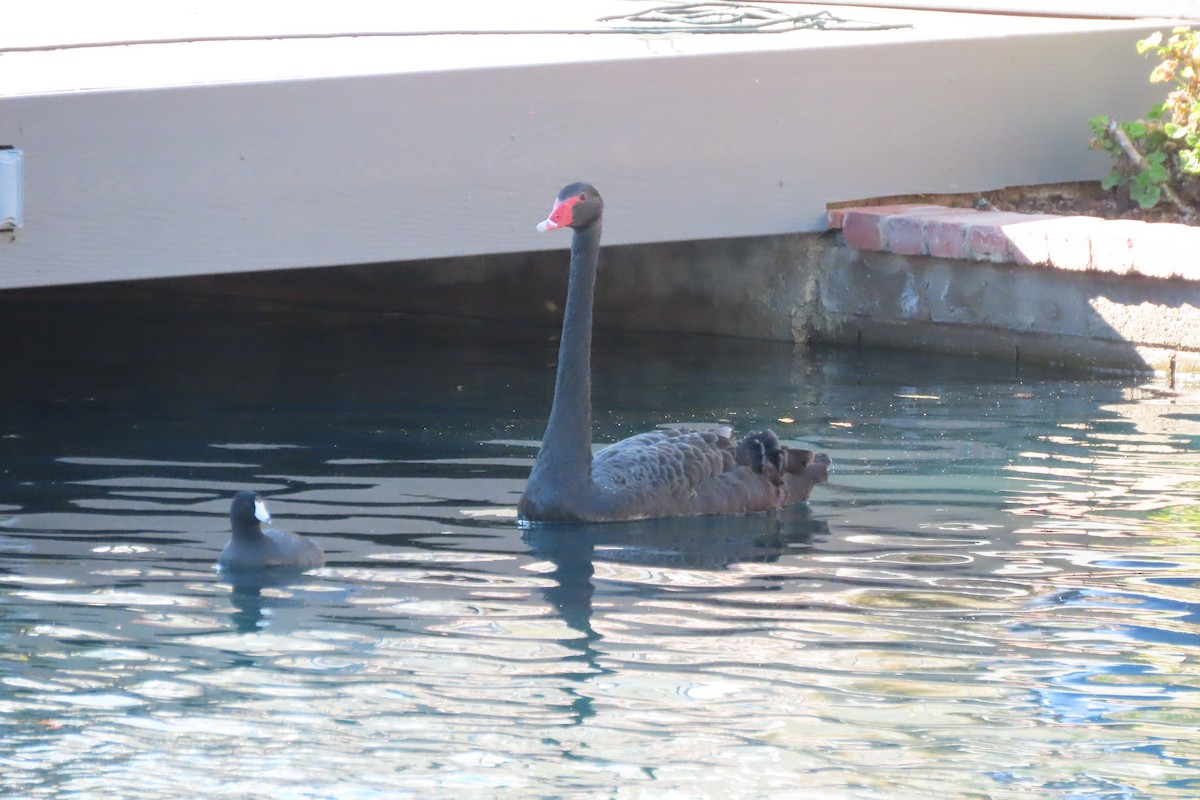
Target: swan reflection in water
710,543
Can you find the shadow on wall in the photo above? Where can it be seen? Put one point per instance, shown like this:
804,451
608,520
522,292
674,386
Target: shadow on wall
1089,320
760,287
796,288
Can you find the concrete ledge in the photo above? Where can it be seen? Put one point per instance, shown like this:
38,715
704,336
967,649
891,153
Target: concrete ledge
1079,291
1080,319
1120,247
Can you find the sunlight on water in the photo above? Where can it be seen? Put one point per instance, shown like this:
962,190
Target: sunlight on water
996,596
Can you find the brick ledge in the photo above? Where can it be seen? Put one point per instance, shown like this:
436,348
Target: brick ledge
1122,247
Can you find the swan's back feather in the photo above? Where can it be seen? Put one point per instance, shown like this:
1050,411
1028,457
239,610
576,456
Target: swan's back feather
676,471
668,459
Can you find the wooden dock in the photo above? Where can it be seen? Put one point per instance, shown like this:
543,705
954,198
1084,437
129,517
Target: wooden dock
202,138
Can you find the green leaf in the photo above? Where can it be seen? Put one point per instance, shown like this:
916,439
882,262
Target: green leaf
1174,131
1156,173
1149,197
1134,130
1157,111
1150,41
1189,162
1111,180
1156,157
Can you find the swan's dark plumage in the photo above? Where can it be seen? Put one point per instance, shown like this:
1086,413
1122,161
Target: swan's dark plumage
662,473
251,546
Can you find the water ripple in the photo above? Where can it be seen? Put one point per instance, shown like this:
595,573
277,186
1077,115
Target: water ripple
995,596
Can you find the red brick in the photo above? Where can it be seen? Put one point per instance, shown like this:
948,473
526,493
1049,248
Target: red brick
833,218
1112,245
1027,239
1160,250
987,242
842,218
946,234
945,238
898,209
1167,250
864,227
904,230
862,231
1069,241
904,235
984,236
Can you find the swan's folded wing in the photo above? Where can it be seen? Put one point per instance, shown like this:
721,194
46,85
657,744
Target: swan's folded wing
669,459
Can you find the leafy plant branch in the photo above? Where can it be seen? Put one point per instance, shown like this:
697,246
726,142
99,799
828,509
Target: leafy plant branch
1154,170
1159,156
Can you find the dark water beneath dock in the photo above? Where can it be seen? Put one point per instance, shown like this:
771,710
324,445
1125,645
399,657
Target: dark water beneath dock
997,596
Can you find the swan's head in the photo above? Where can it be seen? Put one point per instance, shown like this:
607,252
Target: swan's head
577,206
248,509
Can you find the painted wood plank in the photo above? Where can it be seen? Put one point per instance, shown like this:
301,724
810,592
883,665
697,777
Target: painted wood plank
422,164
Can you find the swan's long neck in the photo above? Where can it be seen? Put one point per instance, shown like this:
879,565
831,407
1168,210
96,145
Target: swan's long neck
565,460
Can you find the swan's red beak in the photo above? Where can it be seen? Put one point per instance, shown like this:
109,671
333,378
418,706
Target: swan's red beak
560,215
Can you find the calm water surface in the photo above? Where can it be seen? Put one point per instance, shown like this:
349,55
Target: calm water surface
997,596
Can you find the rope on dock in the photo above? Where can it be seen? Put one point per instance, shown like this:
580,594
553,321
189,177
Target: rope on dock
709,17
733,17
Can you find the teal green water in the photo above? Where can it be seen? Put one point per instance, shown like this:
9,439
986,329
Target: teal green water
996,596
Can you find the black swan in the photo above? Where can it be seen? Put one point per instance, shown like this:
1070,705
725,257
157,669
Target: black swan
251,547
663,473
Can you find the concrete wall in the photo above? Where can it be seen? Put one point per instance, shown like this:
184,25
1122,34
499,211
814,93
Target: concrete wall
1033,314
761,287
805,288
